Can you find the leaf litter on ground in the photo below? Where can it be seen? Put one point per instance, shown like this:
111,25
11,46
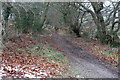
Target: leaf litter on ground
103,52
20,61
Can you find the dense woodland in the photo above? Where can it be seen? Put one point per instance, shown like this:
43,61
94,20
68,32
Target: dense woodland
75,16
27,24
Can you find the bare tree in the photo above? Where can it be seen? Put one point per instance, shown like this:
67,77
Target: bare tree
95,10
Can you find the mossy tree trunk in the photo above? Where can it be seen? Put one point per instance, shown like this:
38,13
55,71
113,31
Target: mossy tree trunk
6,7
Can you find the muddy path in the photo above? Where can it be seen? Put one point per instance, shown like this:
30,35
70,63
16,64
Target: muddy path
84,64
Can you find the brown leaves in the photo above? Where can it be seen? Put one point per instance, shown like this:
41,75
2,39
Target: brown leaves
21,64
16,65
97,49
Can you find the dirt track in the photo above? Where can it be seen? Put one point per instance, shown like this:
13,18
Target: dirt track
84,64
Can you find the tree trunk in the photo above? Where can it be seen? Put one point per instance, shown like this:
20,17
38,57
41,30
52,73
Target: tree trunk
45,15
100,21
1,28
